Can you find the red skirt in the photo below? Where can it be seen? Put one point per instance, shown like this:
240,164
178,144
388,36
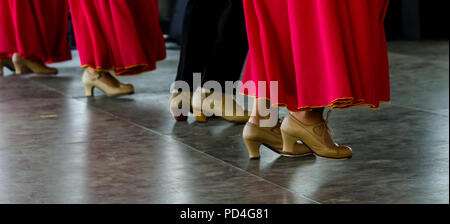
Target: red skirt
36,29
322,53
120,35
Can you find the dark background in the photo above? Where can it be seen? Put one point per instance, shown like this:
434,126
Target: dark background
417,20
405,20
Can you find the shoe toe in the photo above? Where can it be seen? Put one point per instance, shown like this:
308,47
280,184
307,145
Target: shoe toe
130,88
344,151
127,85
53,71
237,119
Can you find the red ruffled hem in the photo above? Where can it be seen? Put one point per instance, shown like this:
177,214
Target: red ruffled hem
126,71
47,60
339,103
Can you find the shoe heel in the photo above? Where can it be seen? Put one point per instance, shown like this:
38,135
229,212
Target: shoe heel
19,68
1,68
253,148
89,90
181,118
288,142
200,116
18,64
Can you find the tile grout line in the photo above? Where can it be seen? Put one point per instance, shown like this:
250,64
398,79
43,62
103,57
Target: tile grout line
419,109
184,144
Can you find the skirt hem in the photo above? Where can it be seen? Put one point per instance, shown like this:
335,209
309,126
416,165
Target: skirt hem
338,103
126,71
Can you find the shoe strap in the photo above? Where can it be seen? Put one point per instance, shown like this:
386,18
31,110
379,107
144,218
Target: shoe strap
96,76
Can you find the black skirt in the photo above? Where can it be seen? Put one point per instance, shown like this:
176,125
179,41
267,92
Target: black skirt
214,41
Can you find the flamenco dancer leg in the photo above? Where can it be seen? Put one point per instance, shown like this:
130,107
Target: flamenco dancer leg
214,45
321,54
32,33
123,36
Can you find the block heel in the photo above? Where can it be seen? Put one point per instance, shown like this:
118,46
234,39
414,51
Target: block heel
253,148
254,136
288,142
89,90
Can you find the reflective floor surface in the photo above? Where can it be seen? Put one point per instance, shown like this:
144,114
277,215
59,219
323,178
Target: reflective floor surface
57,146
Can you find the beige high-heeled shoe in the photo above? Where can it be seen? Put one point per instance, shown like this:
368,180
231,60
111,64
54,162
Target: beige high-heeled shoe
255,136
90,82
24,66
235,114
317,137
176,103
6,62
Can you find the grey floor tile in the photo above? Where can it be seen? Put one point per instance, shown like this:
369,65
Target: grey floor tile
57,146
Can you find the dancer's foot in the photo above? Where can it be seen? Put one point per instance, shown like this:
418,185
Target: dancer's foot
24,66
315,135
233,113
176,101
105,82
255,134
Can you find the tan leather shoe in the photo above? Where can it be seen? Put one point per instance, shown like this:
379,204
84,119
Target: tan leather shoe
317,137
6,62
176,103
24,66
90,82
255,136
217,107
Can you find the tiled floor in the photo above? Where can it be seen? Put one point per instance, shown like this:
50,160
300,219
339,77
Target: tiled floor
57,146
